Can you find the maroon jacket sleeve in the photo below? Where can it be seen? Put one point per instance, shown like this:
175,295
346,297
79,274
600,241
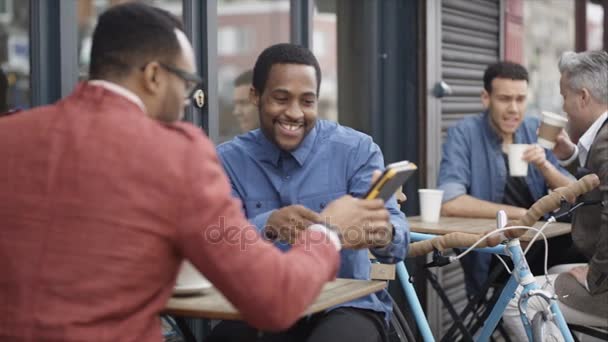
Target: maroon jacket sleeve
271,289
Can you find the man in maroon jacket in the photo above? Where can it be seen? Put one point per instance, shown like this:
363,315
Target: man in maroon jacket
104,193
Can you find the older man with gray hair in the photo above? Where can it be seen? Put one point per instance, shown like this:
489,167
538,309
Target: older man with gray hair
581,289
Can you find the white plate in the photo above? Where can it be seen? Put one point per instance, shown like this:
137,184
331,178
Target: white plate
189,281
183,290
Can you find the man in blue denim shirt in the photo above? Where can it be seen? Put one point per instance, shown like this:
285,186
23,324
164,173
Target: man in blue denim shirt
289,169
474,173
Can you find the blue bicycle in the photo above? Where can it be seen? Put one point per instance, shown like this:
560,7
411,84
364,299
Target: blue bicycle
508,234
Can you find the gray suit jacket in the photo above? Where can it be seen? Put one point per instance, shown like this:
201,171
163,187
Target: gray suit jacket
590,235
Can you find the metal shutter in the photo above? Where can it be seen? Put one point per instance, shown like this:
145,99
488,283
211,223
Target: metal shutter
470,40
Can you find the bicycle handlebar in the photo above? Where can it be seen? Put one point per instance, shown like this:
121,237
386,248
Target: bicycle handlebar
447,241
552,201
543,206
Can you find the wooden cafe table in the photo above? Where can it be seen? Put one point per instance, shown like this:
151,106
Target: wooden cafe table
476,225
211,304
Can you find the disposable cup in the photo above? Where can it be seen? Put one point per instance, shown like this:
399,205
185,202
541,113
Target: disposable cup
517,166
430,204
550,127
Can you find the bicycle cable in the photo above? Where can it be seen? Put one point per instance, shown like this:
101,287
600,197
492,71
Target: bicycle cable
539,232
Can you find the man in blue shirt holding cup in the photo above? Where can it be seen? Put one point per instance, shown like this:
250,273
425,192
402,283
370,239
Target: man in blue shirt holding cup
474,172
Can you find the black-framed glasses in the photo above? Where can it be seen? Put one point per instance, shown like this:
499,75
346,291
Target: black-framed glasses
192,80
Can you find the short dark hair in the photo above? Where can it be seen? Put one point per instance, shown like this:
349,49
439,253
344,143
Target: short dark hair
131,34
508,70
244,78
283,53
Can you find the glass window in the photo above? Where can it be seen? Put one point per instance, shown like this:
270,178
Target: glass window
235,40
89,10
595,26
14,55
325,48
549,30
245,28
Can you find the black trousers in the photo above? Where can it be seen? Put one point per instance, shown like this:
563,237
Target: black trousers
342,324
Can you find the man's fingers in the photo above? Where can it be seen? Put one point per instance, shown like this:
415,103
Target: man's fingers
529,154
400,196
529,149
378,215
534,155
533,150
381,227
308,215
380,240
375,175
371,204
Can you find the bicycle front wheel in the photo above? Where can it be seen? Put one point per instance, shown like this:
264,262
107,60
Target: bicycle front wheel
545,330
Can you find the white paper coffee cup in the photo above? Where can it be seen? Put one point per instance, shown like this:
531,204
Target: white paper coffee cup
517,166
550,126
430,204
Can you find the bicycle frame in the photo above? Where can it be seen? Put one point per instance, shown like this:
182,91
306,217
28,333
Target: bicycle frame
521,275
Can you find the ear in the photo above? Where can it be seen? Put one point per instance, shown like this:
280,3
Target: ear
485,99
152,77
254,97
585,97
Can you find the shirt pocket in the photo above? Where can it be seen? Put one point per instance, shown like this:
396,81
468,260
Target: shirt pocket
255,207
319,201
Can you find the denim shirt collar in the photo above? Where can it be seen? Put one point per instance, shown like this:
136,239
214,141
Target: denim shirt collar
270,152
490,131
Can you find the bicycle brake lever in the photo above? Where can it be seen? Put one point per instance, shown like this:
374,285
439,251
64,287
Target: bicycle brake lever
439,260
564,206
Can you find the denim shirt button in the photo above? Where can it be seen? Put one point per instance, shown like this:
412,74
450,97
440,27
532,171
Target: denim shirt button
258,205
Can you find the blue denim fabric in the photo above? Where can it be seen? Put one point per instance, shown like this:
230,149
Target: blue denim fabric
472,163
332,161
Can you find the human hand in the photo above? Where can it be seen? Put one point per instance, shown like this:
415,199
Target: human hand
286,223
399,195
564,147
401,198
516,213
360,223
535,155
580,274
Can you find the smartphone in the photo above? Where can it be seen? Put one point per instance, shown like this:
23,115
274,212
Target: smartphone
392,178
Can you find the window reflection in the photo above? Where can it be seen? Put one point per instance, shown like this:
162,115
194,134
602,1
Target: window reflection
245,28
545,42
14,55
325,48
595,26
